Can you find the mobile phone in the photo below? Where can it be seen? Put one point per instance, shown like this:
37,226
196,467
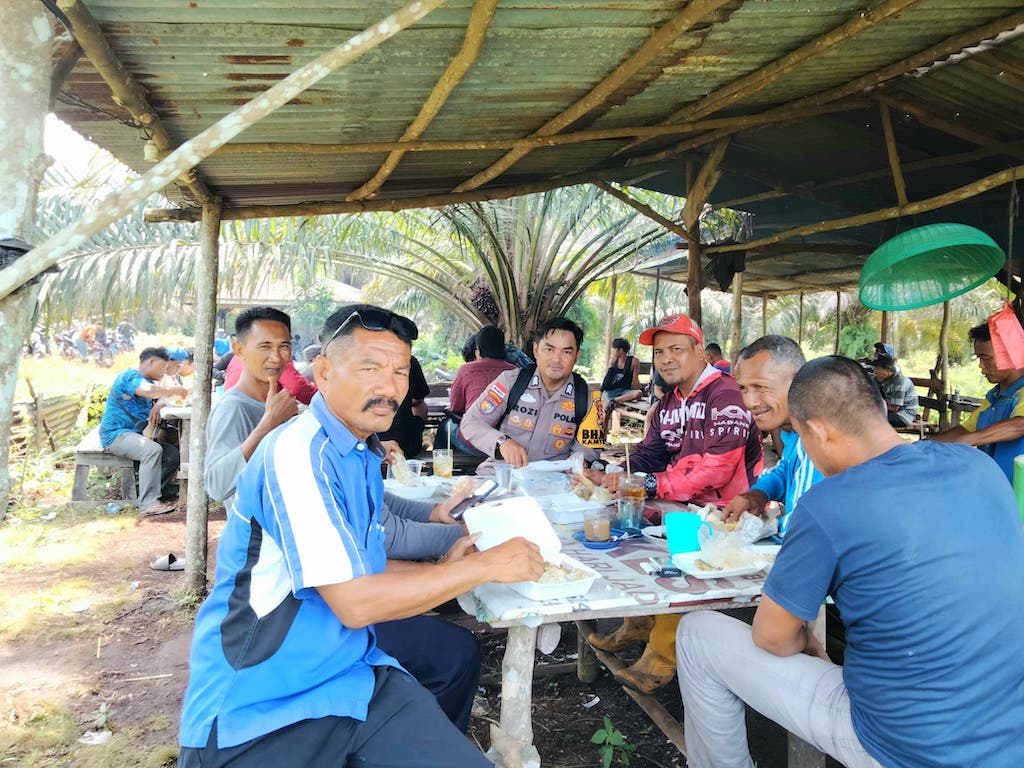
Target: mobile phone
487,487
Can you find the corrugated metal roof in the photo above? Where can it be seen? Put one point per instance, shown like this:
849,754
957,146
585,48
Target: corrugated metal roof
200,60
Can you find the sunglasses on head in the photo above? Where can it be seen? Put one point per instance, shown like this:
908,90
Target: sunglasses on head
379,320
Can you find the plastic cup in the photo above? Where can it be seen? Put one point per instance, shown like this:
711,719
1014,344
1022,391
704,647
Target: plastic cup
631,501
682,529
503,477
597,524
415,466
444,462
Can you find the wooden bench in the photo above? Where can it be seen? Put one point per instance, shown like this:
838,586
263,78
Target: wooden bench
932,400
90,453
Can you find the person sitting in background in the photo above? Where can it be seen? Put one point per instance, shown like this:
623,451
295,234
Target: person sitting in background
997,427
713,354
470,380
411,416
897,390
621,382
764,371
931,603
308,356
221,344
302,389
86,338
469,349
130,408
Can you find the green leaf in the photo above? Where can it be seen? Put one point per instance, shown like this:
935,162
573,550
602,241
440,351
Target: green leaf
606,759
615,739
599,737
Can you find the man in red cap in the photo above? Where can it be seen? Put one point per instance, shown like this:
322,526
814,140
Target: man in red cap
702,447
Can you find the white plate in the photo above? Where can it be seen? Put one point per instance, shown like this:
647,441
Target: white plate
687,563
421,491
654,531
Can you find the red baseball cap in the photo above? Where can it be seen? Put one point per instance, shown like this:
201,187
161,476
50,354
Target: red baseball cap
673,324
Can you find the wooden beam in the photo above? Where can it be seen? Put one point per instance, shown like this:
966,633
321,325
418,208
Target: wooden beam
697,11
894,157
124,88
736,339
759,79
479,21
646,210
697,192
1001,63
64,63
124,201
953,129
197,516
947,198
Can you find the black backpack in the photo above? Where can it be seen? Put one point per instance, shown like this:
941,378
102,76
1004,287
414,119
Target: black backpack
580,391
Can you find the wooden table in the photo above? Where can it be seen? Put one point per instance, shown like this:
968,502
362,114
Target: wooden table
624,589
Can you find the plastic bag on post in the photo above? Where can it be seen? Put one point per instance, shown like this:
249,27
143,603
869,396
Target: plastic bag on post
1007,339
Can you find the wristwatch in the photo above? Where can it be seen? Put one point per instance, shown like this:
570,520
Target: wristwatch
651,485
497,445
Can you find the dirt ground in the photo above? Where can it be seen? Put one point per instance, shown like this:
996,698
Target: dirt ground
92,641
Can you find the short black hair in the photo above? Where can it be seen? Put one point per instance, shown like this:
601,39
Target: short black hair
469,349
884,361
836,390
559,324
621,344
713,348
149,352
783,350
407,333
490,342
245,320
980,333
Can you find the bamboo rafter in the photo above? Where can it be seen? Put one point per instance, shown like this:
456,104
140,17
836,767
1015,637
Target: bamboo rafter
479,21
769,73
124,88
119,203
894,156
884,214
646,210
695,12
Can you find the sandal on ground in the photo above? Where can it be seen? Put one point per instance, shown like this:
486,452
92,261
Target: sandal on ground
161,508
168,562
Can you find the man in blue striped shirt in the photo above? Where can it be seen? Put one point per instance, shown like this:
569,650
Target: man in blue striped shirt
285,668
764,371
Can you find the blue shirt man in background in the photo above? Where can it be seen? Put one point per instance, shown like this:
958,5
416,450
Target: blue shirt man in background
764,371
129,409
997,427
285,668
921,548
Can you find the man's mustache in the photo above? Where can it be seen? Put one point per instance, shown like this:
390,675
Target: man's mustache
389,401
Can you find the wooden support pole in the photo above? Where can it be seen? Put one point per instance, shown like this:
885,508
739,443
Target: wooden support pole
609,325
839,322
197,517
124,88
764,315
698,190
894,157
189,154
695,12
800,322
944,366
479,21
885,326
736,339
586,660
948,198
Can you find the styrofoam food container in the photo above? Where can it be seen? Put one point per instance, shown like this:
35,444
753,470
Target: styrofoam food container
499,521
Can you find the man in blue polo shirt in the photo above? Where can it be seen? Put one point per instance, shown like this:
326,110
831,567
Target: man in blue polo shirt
997,427
764,371
285,669
921,549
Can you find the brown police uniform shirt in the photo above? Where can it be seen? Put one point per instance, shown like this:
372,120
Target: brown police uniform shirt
544,425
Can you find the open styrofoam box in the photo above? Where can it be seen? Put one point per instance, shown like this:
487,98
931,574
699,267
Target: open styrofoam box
499,521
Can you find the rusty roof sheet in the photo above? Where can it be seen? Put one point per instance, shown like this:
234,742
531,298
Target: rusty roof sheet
200,60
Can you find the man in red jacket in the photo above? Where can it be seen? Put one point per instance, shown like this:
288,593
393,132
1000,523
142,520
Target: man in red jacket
702,447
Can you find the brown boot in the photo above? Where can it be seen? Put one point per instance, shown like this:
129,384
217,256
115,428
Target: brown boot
657,666
634,629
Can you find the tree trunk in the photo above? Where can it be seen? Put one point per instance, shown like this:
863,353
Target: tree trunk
24,92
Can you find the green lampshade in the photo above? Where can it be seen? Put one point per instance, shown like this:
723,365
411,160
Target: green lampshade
928,265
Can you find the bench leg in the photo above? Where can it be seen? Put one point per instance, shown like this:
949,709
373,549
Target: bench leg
129,491
80,488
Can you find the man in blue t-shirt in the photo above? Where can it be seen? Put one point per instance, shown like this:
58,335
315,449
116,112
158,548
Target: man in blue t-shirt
921,549
997,427
285,666
764,371
129,409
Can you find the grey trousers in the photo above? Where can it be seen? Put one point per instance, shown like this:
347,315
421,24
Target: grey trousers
720,668
158,463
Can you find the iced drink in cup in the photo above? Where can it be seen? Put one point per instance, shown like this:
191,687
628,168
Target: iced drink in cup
503,477
444,462
631,501
597,525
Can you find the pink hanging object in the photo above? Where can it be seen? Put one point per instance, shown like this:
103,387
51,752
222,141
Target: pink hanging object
1007,339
